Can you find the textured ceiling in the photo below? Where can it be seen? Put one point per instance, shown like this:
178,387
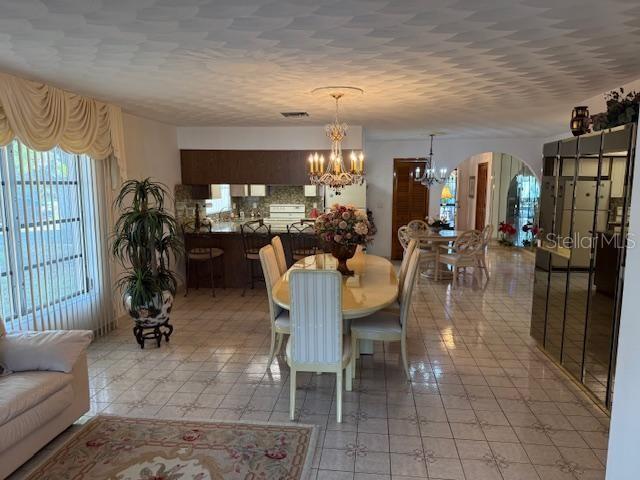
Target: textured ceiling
468,67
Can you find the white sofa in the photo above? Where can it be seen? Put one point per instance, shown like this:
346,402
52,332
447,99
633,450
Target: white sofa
39,404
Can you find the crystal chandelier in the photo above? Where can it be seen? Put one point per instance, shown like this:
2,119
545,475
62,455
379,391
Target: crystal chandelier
334,173
429,176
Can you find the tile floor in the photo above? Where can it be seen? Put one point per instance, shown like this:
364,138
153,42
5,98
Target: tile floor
483,403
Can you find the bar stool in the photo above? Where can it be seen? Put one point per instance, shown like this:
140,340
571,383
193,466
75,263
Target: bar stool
303,240
206,255
255,235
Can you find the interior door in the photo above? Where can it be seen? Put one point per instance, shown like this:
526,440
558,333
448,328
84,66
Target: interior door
481,195
410,198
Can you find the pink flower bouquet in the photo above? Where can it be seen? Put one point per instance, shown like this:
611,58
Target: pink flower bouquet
344,225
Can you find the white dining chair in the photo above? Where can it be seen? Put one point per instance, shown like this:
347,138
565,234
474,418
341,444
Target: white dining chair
413,243
464,256
481,254
279,317
276,242
389,325
403,236
317,343
418,226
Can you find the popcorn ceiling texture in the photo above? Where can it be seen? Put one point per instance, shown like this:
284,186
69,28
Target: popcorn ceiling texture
470,67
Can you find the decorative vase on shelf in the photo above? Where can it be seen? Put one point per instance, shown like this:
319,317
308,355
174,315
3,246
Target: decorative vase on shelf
342,253
580,121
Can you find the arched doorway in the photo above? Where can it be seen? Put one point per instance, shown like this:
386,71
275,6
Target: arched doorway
491,188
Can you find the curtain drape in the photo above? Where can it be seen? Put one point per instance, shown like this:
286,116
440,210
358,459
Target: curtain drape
44,117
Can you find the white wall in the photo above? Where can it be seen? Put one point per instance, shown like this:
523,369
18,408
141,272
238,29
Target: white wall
263,138
622,457
152,150
448,153
466,205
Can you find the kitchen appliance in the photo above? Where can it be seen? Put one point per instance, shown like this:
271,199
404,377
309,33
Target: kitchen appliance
283,214
355,195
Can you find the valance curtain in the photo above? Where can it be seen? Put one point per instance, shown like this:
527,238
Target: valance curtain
44,117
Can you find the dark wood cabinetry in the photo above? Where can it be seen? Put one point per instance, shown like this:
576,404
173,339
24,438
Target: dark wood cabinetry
263,167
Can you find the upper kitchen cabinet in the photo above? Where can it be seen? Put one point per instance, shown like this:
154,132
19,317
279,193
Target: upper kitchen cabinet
257,190
239,190
245,167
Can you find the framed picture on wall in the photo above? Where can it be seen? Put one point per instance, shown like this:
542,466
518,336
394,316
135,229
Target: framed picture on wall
472,187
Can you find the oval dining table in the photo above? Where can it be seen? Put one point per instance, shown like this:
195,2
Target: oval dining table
373,286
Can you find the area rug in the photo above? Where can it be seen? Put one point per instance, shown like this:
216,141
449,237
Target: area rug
119,448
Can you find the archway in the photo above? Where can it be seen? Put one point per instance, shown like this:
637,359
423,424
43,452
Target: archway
512,192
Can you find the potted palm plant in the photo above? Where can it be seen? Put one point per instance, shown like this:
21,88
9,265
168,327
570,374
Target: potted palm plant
145,238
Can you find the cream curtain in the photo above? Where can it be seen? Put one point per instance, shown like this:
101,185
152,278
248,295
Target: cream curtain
44,117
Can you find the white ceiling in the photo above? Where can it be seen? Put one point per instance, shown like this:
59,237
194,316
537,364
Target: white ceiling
468,67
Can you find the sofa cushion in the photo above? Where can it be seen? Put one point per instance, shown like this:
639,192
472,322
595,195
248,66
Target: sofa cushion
35,418
20,392
55,350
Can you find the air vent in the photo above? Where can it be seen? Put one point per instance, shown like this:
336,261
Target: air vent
294,114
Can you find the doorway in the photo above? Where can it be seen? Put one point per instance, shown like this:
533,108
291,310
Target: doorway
410,198
481,195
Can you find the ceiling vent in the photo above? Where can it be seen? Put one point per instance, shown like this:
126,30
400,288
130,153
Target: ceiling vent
294,114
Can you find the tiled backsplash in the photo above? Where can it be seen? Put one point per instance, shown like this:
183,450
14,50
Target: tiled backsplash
277,194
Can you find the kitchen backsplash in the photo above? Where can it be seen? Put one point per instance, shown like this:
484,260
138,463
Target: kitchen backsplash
277,194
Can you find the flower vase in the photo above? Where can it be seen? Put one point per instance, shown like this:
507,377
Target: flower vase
342,253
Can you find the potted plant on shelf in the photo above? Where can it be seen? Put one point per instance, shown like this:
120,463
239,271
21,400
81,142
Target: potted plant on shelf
507,231
342,229
145,238
621,108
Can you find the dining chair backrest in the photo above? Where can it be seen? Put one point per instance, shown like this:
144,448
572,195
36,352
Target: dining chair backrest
402,273
278,248
486,235
418,226
407,289
468,243
403,236
316,317
271,276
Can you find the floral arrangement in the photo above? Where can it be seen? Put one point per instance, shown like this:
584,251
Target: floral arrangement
533,231
345,225
506,232
434,222
621,108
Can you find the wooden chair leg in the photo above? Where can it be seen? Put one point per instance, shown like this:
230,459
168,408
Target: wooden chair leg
292,394
354,355
212,271
280,337
222,274
186,283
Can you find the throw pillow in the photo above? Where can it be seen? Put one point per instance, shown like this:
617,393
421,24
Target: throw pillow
55,350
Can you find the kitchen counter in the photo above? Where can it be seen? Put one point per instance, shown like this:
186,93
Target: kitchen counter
226,236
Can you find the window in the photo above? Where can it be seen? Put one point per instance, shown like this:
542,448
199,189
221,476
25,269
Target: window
43,220
448,203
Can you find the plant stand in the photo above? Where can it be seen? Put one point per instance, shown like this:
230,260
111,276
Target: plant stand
152,330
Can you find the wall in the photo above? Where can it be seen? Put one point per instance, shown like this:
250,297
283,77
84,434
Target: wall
263,138
152,150
448,153
622,456
466,205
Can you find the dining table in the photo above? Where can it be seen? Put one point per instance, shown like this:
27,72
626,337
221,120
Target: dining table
372,287
434,240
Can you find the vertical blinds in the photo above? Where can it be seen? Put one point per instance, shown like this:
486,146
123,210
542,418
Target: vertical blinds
54,269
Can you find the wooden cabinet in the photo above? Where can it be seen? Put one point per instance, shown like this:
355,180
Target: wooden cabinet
245,167
239,190
257,190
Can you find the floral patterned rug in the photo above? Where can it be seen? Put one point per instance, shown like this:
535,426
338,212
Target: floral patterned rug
118,448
